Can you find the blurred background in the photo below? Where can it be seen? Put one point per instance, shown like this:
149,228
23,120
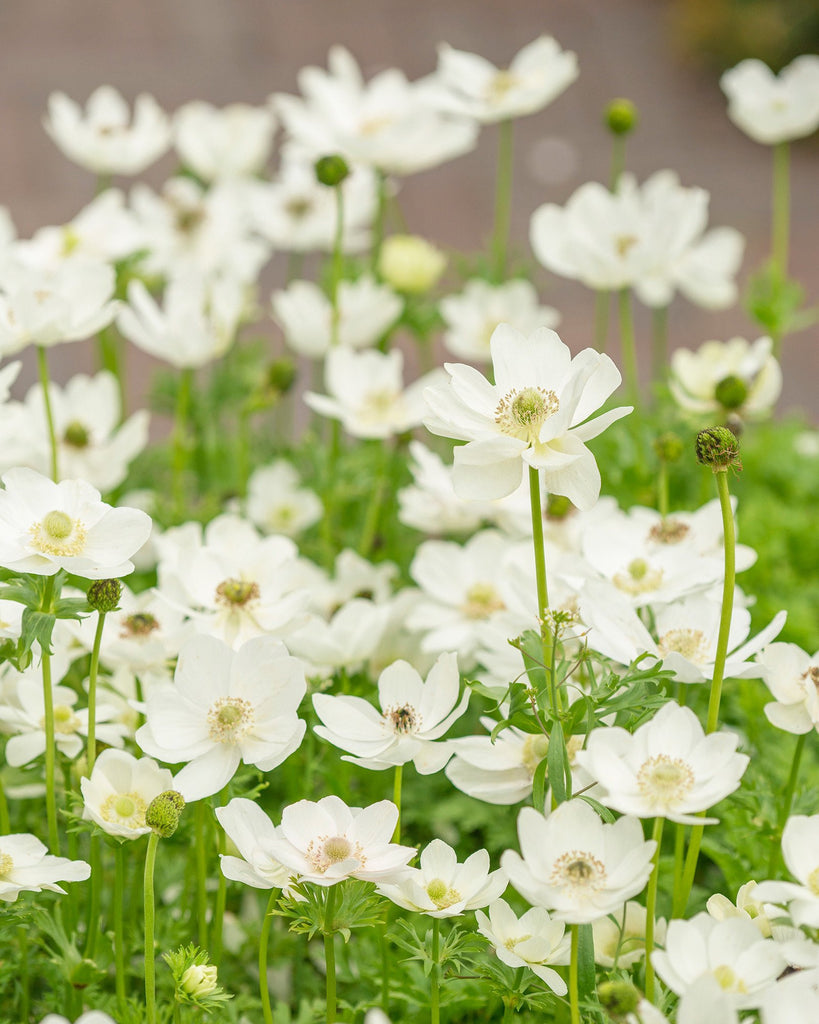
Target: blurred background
664,55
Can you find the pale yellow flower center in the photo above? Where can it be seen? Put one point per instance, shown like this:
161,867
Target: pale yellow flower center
521,414
65,721
502,82
441,894
578,871
665,780
230,719
624,243
6,864
514,941
669,531
402,719
813,881
328,850
535,748
58,534
639,578
728,979
235,593
374,125
690,643
126,809
481,601
377,405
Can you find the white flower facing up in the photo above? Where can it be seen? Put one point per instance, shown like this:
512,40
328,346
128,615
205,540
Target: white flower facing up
800,850
474,87
225,708
472,316
233,141
792,676
49,526
735,376
774,108
119,790
91,1017
367,393
250,830
576,865
667,768
26,866
414,714
441,887
534,940
104,138
277,504
327,841
747,906
535,413
733,952
620,938
366,310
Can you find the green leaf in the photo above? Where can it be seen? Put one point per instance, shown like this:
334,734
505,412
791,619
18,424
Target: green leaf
37,628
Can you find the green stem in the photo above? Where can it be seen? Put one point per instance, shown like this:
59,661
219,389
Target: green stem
435,975
787,803
679,856
295,261
180,438
42,366
200,824
385,967
546,638
48,723
503,198
396,799
264,938
781,205
379,222
91,747
651,907
22,945
110,349
93,919
574,1001
330,954
221,893
602,305
662,489
119,931
374,508
150,964
5,820
628,345
335,276
659,344
618,160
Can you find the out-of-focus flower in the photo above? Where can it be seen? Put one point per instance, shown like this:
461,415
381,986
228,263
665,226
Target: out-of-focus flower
250,830
732,376
534,940
747,906
26,866
533,414
800,850
620,938
792,676
233,141
348,638
277,504
410,264
119,790
104,138
794,1000
472,86
774,108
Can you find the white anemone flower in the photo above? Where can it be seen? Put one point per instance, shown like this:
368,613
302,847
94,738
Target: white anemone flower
366,310
51,305
414,714
441,887
277,504
474,87
620,938
534,940
667,768
792,676
367,393
536,413
49,526
26,866
347,639
794,1000
731,376
576,865
225,707
774,108
250,830
327,841
90,1017
800,850
472,316
733,952
747,906
119,790
233,141
104,138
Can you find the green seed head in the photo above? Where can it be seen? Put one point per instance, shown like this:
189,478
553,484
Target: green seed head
621,117
731,392
58,525
619,998
558,506
104,595
76,435
669,447
163,813
718,448
331,170
281,375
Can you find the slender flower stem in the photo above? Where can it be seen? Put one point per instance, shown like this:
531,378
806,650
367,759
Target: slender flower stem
546,638
200,823
48,723
221,893
503,198
336,267
119,931
5,821
91,747
110,349
25,996
295,261
651,907
330,954
662,489
180,437
679,857
628,345
574,999
148,896
42,366
264,938
435,975
659,344
602,305
781,207
93,919
372,517
618,160
396,799
379,221
787,803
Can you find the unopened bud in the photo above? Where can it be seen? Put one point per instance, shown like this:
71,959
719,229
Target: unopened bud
331,170
621,117
162,815
731,392
619,997
718,448
104,595
199,980
281,375
558,506
669,447
410,264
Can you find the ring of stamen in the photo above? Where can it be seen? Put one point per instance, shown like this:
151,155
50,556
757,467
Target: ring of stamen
521,414
665,780
578,871
230,719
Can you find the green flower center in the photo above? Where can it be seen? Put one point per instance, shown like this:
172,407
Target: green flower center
403,720
230,719
639,578
237,593
665,780
728,979
139,624
690,643
521,414
65,721
58,534
76,435
579,872
481,601
126,809
441,894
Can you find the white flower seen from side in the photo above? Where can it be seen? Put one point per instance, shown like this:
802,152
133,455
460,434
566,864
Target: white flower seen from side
792,676
774,108
119,790
250,830
26,866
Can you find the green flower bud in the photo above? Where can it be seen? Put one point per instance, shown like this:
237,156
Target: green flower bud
619,997
718,448
199,980
281,375
164,811
731,392
104,595
331,170
558,506
76,435
621,117
669,447
410,264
